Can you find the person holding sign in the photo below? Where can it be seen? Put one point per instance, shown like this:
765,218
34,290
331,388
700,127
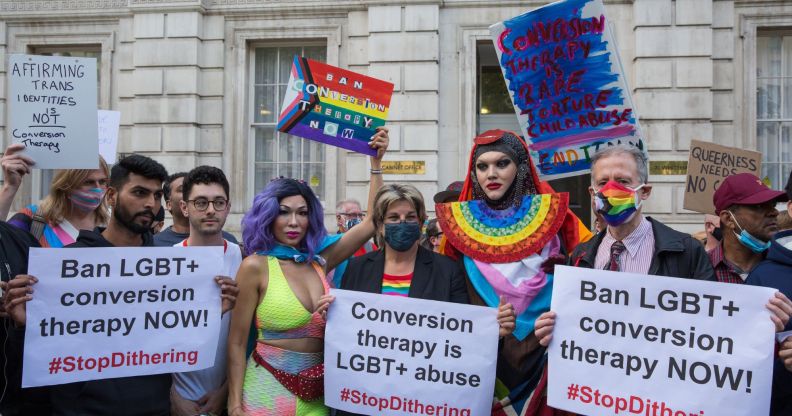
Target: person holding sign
206,206
135,193
402,267
280,286
75,202
511,230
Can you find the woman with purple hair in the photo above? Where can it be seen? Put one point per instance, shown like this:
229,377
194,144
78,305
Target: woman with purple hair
280,286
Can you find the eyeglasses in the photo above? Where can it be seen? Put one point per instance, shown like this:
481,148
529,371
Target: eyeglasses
201,204
353,215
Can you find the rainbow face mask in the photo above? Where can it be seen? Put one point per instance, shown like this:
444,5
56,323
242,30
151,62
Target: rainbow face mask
617,203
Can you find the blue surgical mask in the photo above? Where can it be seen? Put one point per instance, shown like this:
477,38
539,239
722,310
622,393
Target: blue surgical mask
756,245
403,235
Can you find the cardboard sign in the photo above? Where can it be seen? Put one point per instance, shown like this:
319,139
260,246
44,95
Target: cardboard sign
334,106
119,312
391,355
708,165
109,121
567,84
51,101
631,344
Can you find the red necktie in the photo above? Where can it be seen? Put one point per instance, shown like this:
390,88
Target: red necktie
616,250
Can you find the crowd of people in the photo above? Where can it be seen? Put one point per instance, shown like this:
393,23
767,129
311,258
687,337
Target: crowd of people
275,284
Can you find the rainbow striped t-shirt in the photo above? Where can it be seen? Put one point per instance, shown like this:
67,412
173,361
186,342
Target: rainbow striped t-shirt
396,285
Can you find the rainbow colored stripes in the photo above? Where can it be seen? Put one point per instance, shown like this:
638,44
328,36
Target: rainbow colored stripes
396,285
620,203
503,236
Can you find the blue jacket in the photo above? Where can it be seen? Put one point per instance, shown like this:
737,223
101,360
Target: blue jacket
776,272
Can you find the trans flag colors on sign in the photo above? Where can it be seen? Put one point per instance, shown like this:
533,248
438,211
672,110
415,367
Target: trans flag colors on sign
567,85
333,105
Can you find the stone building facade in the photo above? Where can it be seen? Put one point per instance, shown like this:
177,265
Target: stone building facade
199,81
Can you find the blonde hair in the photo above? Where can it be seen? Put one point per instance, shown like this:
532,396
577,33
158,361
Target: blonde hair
56,205
389,194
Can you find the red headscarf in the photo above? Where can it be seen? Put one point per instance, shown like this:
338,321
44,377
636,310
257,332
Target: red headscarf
572,231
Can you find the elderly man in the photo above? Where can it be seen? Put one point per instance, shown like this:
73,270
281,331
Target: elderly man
632,242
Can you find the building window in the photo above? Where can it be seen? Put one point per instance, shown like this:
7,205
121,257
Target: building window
278,154
774,106
80,51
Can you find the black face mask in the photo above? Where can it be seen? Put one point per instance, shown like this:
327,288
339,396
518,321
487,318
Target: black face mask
403,235
717,233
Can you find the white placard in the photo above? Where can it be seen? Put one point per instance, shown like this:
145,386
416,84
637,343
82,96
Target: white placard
109,122
52,101
116,312
389,355
626,343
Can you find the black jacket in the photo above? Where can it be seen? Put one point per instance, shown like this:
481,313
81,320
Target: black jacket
676,254
14,246
435,277
776,272
141,395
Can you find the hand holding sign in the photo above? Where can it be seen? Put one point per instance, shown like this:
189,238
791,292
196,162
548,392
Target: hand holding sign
785,353
17,293
15,165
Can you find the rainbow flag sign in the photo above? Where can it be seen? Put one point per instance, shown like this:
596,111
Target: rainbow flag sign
333,105
567,85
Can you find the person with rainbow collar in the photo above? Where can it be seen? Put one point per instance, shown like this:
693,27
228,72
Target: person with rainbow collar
509,230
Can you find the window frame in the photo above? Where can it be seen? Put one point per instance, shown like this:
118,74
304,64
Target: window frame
252,125
242,35
781,120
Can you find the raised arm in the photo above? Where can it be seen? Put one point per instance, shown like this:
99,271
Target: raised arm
15,167
251,279
359,234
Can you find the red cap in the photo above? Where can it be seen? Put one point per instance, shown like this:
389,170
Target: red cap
744,189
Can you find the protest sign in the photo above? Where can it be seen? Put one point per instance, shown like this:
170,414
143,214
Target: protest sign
567,84
389,355
117,312
708,165
632,344
51,101
334,106
109,122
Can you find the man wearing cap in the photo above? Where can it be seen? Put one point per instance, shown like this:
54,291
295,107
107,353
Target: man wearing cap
746,208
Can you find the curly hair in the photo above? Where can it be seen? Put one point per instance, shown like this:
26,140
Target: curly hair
204,175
